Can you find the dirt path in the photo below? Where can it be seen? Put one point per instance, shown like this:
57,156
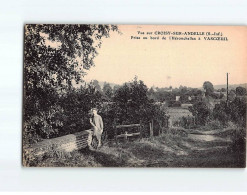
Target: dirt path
208,132
208,138
199,151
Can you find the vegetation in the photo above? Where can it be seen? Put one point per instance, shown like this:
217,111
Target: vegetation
208,87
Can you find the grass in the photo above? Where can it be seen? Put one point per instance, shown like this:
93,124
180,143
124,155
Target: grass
176,113
172,149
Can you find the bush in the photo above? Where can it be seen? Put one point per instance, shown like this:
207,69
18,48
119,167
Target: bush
201,112
177,131
231,125
215,124
173,103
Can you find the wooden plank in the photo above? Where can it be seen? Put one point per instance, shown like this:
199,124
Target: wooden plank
151,130
124,126
128,134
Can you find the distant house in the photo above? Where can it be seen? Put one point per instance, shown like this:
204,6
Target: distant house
186,105
177,98
168,90
217,101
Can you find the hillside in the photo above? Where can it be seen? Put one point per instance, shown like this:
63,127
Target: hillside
232,86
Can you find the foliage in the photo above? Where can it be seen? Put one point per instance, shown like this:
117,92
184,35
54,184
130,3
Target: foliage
174,103
215,124
221,113
132,102
240,91
208,87
238,111
132,105
232,95
76,104
234,111
187,122
107,90
201,112
97,86
107,111
55,57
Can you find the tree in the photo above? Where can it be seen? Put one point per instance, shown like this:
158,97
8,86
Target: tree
231,95
76,104
201,112
59,54
132,105
107,90
115,88
221,113
237,110
55,56
131,100
208,87
240,91
223,89
151,94
97,86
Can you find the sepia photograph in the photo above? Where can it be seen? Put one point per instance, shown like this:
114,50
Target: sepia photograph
99,95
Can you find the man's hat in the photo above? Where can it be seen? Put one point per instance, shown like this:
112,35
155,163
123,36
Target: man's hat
94,109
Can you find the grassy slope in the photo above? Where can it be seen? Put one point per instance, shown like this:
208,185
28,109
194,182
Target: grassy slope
167,150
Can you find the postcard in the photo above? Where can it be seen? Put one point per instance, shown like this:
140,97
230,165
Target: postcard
134,96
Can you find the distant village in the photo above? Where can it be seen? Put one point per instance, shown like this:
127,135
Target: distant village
178,101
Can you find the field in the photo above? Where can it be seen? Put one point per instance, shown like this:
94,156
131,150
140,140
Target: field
174,148
177,113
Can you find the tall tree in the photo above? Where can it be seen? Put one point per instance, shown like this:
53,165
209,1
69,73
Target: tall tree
208,87
107,90
96,84
132,101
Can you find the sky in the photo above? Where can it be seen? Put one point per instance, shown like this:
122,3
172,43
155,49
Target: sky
164,63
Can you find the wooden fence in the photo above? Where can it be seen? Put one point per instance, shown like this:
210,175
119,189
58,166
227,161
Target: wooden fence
128,131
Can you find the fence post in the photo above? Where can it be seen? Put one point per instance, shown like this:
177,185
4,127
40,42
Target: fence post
126,137
153,126
115,130
140,129
151,130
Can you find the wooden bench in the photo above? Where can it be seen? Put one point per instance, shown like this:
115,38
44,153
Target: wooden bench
127,133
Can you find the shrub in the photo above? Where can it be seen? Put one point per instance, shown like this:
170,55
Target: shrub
215,124
231,125
201,112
